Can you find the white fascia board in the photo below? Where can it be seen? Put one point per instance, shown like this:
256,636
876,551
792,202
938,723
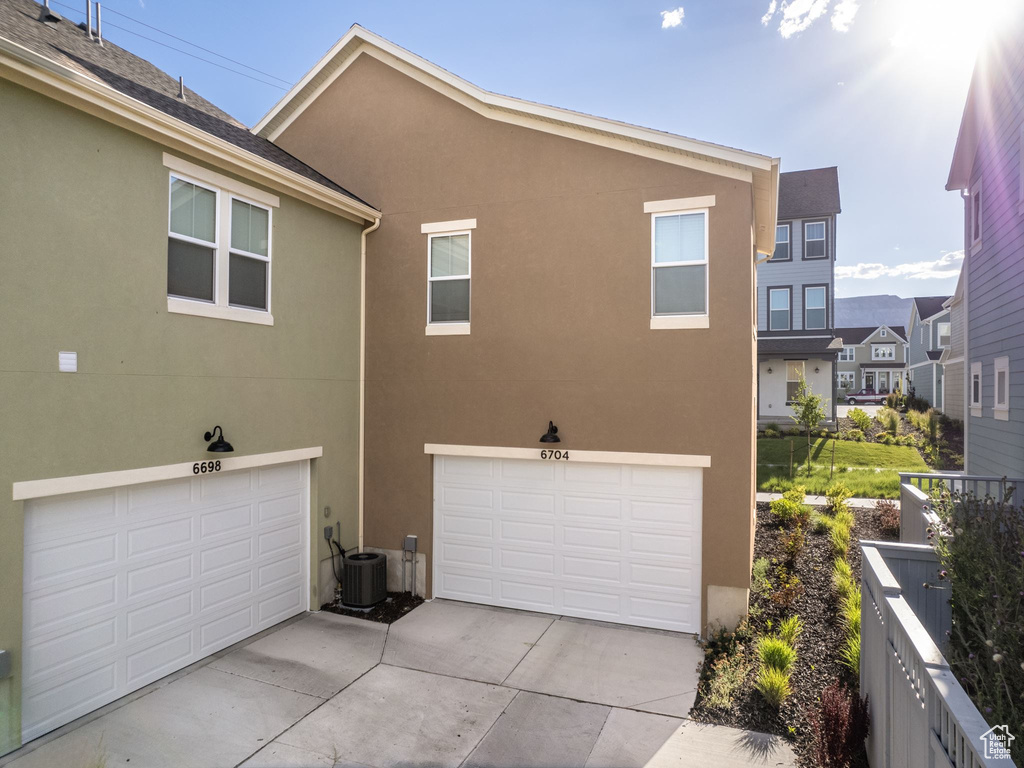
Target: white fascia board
41,74
541,111
590,457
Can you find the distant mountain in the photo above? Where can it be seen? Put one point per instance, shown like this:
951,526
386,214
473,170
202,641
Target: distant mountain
872,310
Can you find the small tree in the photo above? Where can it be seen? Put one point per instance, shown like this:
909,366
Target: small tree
808,412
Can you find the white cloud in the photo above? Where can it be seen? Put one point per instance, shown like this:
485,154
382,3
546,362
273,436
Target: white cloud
946,266
770,13
843,13
798,15
672,18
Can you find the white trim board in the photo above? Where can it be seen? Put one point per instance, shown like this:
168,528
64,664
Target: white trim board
591,457
34,489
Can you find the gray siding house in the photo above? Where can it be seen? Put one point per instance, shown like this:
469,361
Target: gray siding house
795,294
988,171
871,358
952,358
928,334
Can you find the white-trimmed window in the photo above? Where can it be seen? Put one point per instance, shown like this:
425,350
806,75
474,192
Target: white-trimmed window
794,373
846,380
778,309
847,354
815,312
679,263
814,240
975,393
884,333
944,330
782,236
977,219
448,277
883,351
219,235
1001,385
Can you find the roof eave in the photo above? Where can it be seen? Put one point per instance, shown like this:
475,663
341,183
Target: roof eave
39,73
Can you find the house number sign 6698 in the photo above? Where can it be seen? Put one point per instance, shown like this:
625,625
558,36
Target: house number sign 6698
556,455
202,467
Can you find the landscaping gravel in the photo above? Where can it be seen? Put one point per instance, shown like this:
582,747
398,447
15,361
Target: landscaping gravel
387,611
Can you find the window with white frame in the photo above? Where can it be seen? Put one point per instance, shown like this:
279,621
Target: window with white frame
814,240
794,375
778,309
883,351
884,333
815,312
847,354
944,329
679,263
218,248
976,216
1001,383
782,252
975,393
448,277
846,380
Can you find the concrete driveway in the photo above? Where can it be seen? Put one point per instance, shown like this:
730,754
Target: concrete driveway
450,684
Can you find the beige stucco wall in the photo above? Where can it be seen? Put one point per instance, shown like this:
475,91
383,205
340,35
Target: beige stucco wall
560,304
83,221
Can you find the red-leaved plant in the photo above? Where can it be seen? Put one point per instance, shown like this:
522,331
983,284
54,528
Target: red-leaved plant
841,724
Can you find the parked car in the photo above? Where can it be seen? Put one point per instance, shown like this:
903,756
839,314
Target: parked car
868,396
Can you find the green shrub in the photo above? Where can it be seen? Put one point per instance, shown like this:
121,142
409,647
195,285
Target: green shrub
837,494
797,494
849,612
759,575
889,419
773,685
727,675
860,417
842,579
852,434
839,538
849,654
776,653
894,400
887,439
794,432
772,433
820,523
785,509
791,629
824,433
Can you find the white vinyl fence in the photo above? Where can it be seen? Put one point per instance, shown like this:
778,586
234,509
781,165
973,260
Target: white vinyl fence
920,715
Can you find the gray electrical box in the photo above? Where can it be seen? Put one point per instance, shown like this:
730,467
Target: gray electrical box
5,664
410,543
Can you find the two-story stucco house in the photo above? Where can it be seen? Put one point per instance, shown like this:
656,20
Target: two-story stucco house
164,272
952,357
795,296
871,358
988,171
390,368
534,265
928,334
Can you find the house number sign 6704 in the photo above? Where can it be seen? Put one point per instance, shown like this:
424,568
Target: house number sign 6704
556,455
202,467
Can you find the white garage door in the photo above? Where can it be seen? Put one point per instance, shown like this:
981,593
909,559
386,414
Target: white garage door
127,585
613,542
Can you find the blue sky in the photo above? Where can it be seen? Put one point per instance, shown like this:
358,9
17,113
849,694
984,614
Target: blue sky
875,87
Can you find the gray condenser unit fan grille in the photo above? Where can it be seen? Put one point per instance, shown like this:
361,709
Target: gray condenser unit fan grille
364,579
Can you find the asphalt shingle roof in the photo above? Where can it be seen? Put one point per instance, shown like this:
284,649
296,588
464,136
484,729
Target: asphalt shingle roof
859,334
809,193
65,43
929,305
782,345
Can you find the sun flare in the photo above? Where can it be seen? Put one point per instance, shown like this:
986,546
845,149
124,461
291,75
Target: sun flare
947,32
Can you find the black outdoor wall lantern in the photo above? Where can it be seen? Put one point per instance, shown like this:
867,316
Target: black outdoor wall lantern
551,436
220,445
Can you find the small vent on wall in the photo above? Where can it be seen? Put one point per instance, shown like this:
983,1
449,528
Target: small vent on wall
67,362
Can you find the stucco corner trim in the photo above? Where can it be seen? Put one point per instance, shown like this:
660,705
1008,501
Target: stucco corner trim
55,486
589,457
679,204
448,329
458,225
202,309
668,322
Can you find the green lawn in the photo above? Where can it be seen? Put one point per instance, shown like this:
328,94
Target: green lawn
857,465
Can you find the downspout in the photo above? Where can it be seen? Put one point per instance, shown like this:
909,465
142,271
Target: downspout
362,368
967,336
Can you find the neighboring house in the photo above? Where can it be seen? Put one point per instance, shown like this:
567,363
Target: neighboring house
795,293
988,170
952,357
534,265
928,334
872,358
164,271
